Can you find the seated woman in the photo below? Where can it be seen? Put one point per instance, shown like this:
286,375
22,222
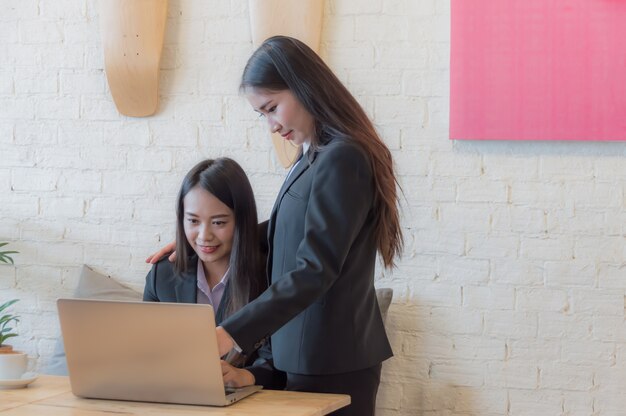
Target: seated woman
219,260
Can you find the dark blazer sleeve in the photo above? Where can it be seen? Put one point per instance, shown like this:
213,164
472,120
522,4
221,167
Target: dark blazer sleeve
338,205
149,290
163,284
265,374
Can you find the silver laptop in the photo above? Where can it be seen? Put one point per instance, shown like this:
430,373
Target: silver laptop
144,351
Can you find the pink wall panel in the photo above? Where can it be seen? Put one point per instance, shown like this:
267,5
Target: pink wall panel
538,70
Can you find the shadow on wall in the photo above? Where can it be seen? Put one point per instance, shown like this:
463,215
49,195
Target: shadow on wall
528,148
428,374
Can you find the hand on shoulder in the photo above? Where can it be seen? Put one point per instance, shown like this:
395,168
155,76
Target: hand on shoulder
169,248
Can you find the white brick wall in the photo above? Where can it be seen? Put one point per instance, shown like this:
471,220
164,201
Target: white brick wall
509,299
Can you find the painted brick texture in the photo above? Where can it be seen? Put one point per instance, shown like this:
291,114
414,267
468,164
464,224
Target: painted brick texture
509,298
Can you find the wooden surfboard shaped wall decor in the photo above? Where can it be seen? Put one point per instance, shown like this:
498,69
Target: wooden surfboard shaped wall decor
132,37
300,19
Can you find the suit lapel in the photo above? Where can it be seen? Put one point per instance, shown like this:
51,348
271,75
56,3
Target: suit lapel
295,174
186,288
304,164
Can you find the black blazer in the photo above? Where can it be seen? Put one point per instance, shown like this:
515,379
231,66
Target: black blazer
320,309
164,285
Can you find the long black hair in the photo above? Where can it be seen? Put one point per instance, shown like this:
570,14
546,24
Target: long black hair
227,181
284,63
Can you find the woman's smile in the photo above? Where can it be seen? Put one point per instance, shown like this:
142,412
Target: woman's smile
207,249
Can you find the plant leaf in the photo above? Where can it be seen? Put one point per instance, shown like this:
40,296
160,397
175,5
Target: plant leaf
6,259
6,319
5,323
5,337
7,304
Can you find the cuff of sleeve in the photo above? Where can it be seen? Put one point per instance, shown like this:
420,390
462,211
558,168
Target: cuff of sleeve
268,378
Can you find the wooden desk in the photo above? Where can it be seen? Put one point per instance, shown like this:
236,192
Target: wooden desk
52,396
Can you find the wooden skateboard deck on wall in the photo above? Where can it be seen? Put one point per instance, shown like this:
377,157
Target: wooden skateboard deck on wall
132,37
301,19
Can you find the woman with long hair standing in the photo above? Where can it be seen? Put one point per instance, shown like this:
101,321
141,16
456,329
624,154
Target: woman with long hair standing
337,208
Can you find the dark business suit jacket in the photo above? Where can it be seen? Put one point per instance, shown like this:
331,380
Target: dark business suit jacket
320,309
163,284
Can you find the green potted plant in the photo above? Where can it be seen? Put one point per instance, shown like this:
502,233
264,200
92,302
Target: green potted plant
6,331
12,363
6,319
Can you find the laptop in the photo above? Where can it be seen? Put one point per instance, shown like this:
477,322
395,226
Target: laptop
144,351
